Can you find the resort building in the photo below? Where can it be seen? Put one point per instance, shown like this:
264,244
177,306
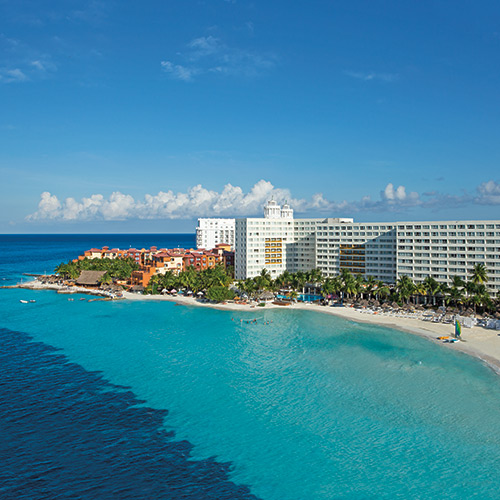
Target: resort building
386,251
262,243
367,249
211,232
160,261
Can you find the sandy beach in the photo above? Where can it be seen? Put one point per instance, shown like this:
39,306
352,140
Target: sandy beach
477,341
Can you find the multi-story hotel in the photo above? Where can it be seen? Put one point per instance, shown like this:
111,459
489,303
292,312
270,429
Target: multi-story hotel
386,251
264,243
211,232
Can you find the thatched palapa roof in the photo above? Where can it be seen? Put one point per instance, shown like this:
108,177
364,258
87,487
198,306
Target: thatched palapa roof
90,277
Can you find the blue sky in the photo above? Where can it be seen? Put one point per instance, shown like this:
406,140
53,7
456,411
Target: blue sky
141,116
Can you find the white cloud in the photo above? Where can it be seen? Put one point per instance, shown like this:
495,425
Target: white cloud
233,201
196,202
12,75
208,54
372,75
37,68
178,72
49,205
43,65
488,193
399,195
204,45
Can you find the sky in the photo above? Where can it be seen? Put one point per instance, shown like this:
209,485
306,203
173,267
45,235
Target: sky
126,116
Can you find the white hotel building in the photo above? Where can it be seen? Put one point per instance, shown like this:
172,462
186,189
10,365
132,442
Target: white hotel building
441,249
211,232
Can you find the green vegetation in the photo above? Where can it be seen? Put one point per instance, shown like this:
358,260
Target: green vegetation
350,287
190,279
220,293
215,283
120,269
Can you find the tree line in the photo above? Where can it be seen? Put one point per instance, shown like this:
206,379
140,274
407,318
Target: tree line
472,292
215,284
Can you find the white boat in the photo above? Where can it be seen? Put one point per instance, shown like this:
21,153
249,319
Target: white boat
23,301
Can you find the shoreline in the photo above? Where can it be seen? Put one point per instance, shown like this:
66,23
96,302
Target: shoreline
479,342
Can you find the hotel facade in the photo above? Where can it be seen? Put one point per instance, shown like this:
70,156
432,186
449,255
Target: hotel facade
386,251
212,232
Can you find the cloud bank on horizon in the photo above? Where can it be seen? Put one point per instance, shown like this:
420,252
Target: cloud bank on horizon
232,201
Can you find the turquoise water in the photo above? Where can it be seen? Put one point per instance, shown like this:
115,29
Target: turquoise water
306,407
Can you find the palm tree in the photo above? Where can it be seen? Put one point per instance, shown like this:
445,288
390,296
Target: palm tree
479,274
457,282
327,288
299,279
455,296
405,288
359,281
370,285
250,287
432,287
350,285
383,291
480,297
263,280
419,291
470,288
107,278
315,276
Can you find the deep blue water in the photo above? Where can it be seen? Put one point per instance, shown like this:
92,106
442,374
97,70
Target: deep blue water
67,433
149,400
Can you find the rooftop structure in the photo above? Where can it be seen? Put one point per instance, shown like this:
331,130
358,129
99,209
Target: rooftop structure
90,278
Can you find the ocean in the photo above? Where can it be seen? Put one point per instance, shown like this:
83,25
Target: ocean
150,400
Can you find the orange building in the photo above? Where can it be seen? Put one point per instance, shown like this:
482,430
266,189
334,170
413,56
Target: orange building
160,261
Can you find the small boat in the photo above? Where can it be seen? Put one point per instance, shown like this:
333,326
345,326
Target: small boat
32,301
71,299
23,301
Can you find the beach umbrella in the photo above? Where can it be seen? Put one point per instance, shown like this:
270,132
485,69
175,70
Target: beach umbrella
173,290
